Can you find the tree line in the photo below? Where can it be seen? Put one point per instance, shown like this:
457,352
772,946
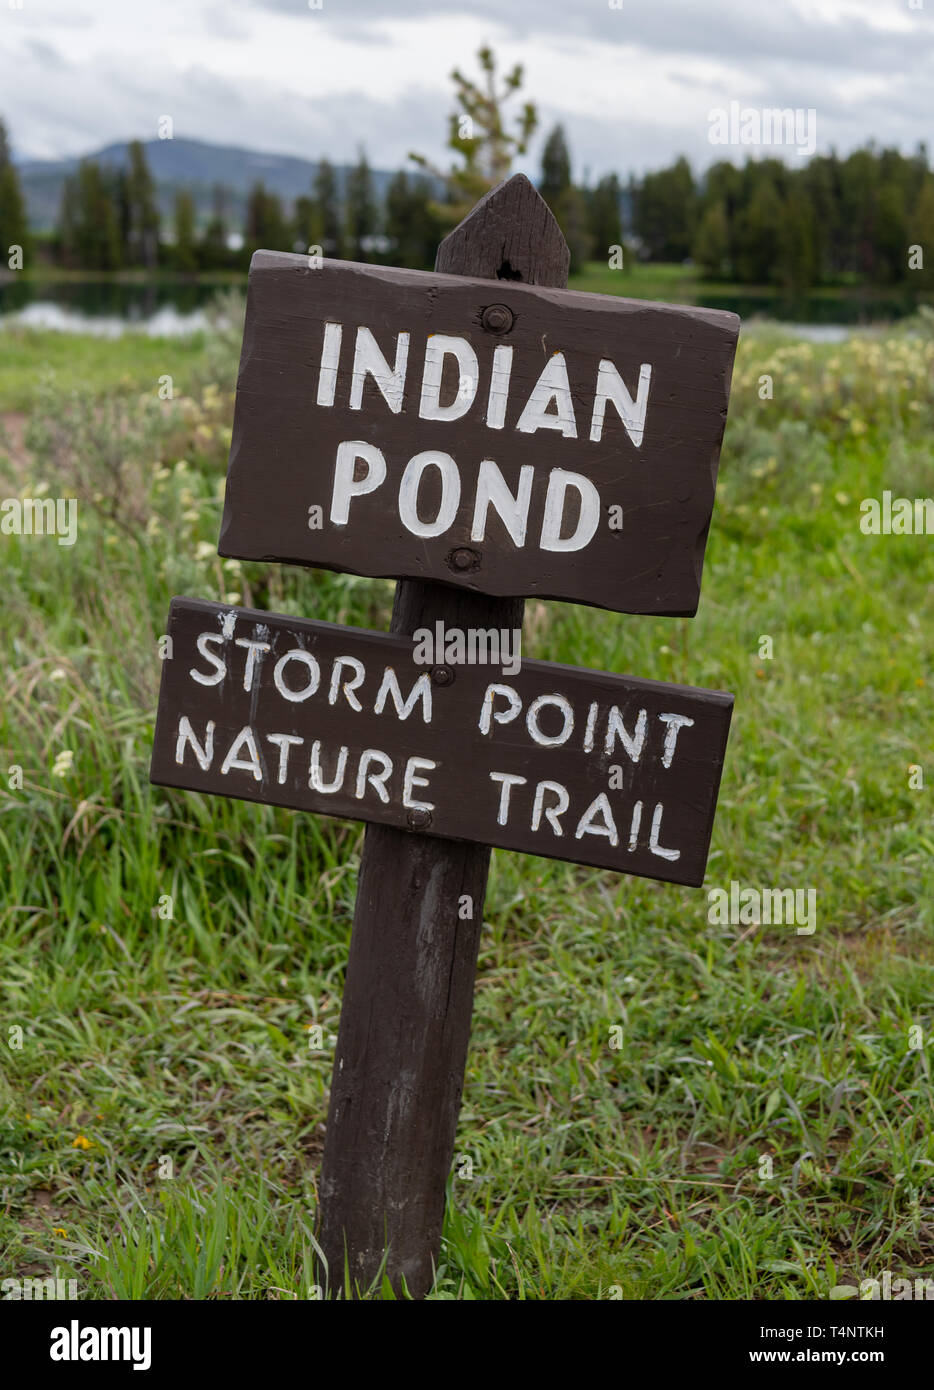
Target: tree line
109,217
831,221
110,221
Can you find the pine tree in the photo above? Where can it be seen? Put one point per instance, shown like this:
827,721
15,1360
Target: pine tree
14,230
567,202
571,215
604,215
477,134
666,212
89,228
411,225
305,228
327,209
921,233
891,231
818,182
858,178
265,227
213,253
711,249
360,210
758,260
255,217
142,230
184,252
66,235
797,260
556,167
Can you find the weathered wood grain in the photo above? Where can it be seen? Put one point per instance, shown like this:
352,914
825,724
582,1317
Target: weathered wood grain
408,996
236,719
509,235
259,709
651,500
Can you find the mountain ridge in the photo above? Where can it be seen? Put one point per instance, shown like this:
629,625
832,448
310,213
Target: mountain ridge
193,164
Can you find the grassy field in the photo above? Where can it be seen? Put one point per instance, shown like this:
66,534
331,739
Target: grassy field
656,1105
684,284
678,284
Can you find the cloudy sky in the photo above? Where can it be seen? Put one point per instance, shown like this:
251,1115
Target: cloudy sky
634,84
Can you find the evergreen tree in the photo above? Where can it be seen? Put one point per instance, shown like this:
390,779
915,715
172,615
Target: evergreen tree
604,216
265,225
820,186
305,224
328,213
66,231
891,232
571,215
213,253
723,183
14,229
858,178
921,233
120,185
141,231
567,202
184,253
712,243
411,224
556,167
477,134
360,210
666,212
757,259
796,264
89,231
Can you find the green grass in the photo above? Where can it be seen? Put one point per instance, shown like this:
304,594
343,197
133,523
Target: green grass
86,364
153,1045
685,284
678,284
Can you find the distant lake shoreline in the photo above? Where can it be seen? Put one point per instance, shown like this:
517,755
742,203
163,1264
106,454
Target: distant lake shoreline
171,306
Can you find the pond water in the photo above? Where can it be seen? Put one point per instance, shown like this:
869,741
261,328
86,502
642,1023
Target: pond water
166,322
166,307
833,312
107,308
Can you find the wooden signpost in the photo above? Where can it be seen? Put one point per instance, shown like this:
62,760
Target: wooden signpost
486,438
581,765
511,439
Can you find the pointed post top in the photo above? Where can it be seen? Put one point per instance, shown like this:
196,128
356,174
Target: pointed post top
511,234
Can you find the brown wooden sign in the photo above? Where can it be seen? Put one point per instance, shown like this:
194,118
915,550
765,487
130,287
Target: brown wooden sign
483,435
553,760
510,438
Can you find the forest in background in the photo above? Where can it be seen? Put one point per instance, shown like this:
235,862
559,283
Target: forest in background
835,220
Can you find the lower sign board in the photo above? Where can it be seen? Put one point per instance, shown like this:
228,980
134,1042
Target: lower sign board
506,438
552,760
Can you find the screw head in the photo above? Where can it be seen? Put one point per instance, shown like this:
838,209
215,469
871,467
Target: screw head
497,318
463,558
418,819
442,675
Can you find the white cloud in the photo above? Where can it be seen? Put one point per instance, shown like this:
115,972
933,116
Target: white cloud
633,86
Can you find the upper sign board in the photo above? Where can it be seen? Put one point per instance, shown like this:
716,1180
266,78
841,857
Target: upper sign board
552,760
508,438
